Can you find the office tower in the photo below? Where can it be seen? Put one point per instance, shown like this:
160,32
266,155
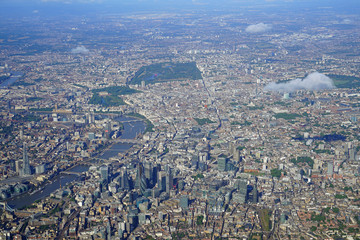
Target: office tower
121,229
241,195
104,173
203,166
236,155
203,156
352,154
21,135
148,170
90,118
353,119
194,162
169,181
142,218
241,186
162,181
40,169
231,147
91,135
143,184
9,105
330,168
132,220
222,162
26,164
18,168
125,181
255,195
108,230
155,171
149,173
184,202
107,130
139,173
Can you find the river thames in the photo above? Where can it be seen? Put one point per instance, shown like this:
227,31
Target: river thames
132,127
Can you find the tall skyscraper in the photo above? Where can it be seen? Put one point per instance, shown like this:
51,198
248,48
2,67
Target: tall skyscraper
107,130
139,173
148,169
169,181
26,164
162,181
125,182
143,184
155,174
221,163
104,173
255,195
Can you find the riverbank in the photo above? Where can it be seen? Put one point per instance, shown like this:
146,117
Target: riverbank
45,189
132,128
12,79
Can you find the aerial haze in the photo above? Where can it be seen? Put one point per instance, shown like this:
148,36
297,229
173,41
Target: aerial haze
187,119
60,7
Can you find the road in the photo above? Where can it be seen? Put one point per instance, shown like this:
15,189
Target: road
213,102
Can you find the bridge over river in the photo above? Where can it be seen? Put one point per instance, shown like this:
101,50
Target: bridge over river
72,173
120,140
6,207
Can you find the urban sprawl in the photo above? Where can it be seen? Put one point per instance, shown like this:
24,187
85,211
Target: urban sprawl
181,126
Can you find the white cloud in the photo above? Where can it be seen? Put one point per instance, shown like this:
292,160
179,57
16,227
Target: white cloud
346,21
314,81
258,28
80,50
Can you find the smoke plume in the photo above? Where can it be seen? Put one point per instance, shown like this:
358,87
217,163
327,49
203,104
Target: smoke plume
258,28
80,50
314,81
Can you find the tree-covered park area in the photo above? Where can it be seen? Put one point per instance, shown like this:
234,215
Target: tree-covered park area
203,121
111,98
277,172
164,72
299,161
343,81
287,116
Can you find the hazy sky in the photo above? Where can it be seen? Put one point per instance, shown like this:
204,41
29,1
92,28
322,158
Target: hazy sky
24,7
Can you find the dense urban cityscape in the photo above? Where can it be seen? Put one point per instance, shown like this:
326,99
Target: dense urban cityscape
239,124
